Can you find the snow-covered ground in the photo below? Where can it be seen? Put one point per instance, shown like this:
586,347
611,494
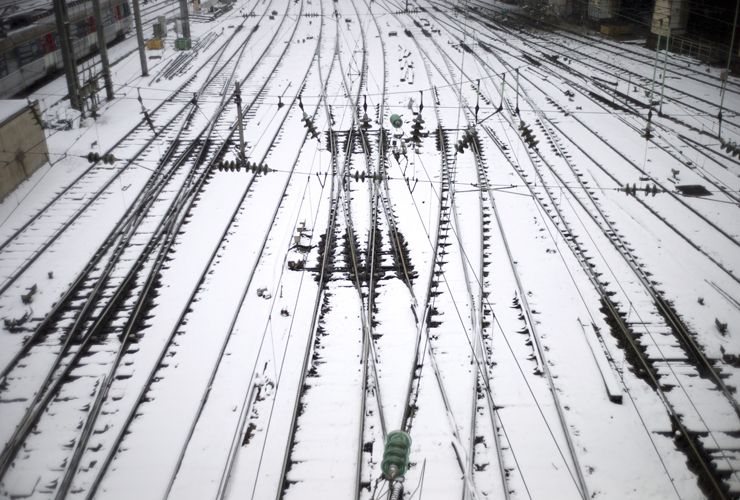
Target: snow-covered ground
512,276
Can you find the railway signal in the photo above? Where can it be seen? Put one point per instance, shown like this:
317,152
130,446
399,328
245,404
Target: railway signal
239,117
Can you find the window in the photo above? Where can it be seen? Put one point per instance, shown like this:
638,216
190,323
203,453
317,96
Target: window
29,51
3,66
107,17
80,29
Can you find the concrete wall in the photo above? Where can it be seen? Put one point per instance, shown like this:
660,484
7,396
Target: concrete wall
22,148
560,8
599,10
673,12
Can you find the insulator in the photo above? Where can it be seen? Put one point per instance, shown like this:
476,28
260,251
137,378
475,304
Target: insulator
396,455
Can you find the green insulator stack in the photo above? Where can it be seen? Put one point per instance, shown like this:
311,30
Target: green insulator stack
396,455
396,121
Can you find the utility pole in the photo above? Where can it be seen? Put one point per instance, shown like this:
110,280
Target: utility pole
185,18
652,86
516,109
727,70
238,100
665,62
655,65
140,37
68,59
103,48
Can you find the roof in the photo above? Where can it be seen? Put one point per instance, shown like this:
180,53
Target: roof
10,107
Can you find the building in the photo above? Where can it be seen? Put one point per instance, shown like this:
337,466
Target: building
22,143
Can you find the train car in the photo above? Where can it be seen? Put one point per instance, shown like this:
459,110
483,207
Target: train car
29,44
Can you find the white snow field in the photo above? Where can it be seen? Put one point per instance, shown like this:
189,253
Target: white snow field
518,269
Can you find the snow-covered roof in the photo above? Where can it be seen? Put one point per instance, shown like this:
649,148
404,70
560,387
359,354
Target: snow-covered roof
9,107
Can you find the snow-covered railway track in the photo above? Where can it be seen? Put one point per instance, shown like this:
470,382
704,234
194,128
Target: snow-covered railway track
486,443
406,262
657,322
692,344
236,472
572,453
543,46
570,181
696,446
608,96
340,322
651,334
638,53
159,131
708,452
584,196
726,185
574,469
374,416
123,403
114,256
432,384
166,230
215,301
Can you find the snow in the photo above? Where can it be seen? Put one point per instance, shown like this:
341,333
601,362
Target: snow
465,298
9,107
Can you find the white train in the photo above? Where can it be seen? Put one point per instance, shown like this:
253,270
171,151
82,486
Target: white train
29,45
